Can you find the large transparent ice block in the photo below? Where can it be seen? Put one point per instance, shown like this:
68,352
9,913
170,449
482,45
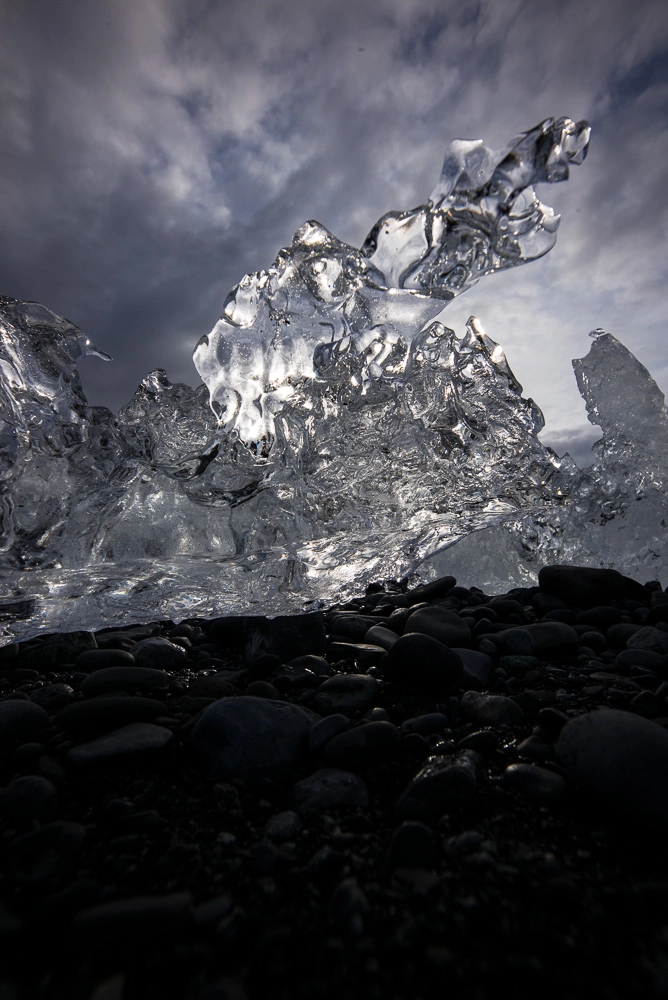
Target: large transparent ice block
342,434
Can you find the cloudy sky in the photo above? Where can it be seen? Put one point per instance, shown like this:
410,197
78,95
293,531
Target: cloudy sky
154,151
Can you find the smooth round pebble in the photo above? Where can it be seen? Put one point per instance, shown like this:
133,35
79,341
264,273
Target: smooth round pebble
317,664
493,709
131,917
29,797
477,669
364,746
97,659
442,783
324,730
622,759
642,658
248,736
346,694
137,738
655,640
283,826
20,720
426,725
329,788
422,663
261,689
380,636
159,653
441,624
586,586
537,783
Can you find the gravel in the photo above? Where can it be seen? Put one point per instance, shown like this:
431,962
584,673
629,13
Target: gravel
418,787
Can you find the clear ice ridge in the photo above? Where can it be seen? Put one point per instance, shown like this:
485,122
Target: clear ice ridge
342,435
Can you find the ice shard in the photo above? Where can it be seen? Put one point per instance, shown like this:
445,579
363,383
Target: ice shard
343,434
617,509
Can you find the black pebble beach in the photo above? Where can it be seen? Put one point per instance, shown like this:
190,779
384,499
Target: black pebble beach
421,793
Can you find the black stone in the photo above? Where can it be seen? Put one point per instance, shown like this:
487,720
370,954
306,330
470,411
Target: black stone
128,679
422,663
99,715
365,746
97,659
431,591
441,624
586,587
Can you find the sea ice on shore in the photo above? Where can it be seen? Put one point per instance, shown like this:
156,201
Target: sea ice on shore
342,434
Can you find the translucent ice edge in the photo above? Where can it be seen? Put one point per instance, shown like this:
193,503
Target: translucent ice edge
342,435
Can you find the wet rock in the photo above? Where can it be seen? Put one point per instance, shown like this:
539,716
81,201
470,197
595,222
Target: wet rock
380,636
493,709
218,685
551,721
363,654
537,783
317,664
442,783
287,637
483,741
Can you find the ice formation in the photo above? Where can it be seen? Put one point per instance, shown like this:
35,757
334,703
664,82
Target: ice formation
342,435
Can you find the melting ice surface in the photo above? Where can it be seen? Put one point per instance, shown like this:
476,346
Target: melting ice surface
342,435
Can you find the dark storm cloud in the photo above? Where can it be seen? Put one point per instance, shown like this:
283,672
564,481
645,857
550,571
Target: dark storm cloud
153,152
